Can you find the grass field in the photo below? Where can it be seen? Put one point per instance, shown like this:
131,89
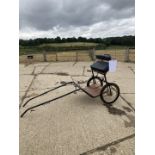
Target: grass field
56,47
60,47
71,44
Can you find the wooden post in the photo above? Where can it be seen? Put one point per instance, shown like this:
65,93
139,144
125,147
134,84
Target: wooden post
126,56
56,57
44,55
76,56
93,54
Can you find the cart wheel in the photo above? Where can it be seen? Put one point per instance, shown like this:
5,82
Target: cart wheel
94,82
110,93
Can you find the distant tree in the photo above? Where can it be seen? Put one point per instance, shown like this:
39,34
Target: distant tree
63,40
82,39
125,41
58,40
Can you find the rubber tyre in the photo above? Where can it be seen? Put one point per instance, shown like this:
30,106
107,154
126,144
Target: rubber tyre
117,93
95,78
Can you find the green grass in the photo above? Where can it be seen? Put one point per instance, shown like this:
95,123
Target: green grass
73,44
56,47
112,47
60,47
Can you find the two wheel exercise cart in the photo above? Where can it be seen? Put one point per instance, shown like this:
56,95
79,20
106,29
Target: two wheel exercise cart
96,86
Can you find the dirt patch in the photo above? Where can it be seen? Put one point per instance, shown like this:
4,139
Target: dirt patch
113,150
131,122
131,69
88,70
127,109
32,110
115,111
56,83
129,104
63,82
74,63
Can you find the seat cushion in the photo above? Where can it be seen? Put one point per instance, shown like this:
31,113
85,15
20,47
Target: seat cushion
100,66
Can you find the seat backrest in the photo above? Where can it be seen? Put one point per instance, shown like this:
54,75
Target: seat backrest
106,57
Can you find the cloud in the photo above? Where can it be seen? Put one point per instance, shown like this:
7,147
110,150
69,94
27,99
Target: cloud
101,29
42,16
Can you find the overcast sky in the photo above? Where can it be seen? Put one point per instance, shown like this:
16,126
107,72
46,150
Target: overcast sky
74,18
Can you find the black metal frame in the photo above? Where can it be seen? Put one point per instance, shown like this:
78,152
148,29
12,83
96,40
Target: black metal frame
67,83
77,88
103,79
47,102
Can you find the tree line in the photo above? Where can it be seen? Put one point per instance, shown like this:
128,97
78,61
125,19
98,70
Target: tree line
124,41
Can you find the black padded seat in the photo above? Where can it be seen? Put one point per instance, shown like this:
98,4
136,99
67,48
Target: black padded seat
100,66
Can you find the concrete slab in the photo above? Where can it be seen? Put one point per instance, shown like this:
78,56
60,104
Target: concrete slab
39,69
75,124
126,85
68,68
21,95
38,64
26,69
24,82
21,67
72,125
130,98
46,81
